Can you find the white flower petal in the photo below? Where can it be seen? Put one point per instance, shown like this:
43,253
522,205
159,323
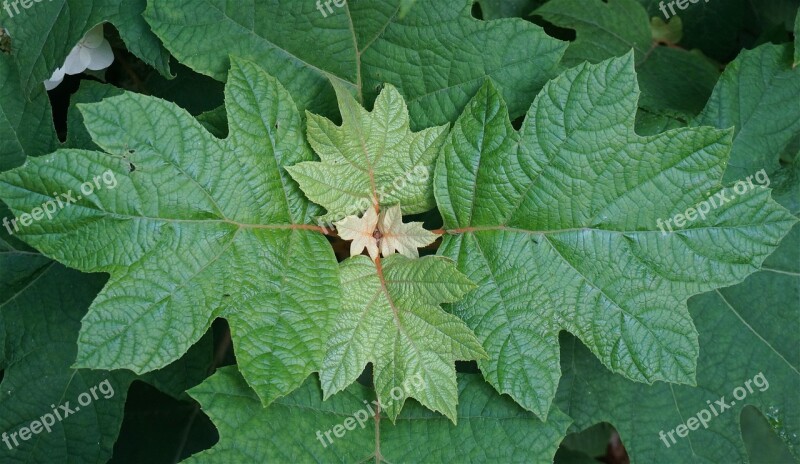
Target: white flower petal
52,83
101,57
73,64
58,75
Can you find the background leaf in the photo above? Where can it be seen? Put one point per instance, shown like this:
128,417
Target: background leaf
41,304
287,430
363,45
605,29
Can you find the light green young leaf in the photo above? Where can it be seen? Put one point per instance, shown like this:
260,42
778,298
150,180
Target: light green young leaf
190,228
670,31
372,159
363,45
391,317
491,428
560,225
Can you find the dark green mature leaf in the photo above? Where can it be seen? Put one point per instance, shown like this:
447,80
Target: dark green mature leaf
41,325
191,228
745,330
757,95
604,28
670,78
561,227
26,125
41,304
796,39
498,9
763,445
437,55
296,428
715,27
44,34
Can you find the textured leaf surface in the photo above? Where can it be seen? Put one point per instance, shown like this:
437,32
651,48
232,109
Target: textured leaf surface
758,95
372,159
606,29
491,428
44,34
437,55
558,226
196,228
391,317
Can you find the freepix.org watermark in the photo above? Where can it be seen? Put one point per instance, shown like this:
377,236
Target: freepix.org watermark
321,8
8,5
59,202
414,384
718,407
713,202
681,4
63,411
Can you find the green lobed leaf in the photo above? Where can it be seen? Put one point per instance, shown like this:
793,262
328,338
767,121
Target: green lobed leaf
437,55
372,159
559,227
391,317
194,228
491,427
745,330
757,95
